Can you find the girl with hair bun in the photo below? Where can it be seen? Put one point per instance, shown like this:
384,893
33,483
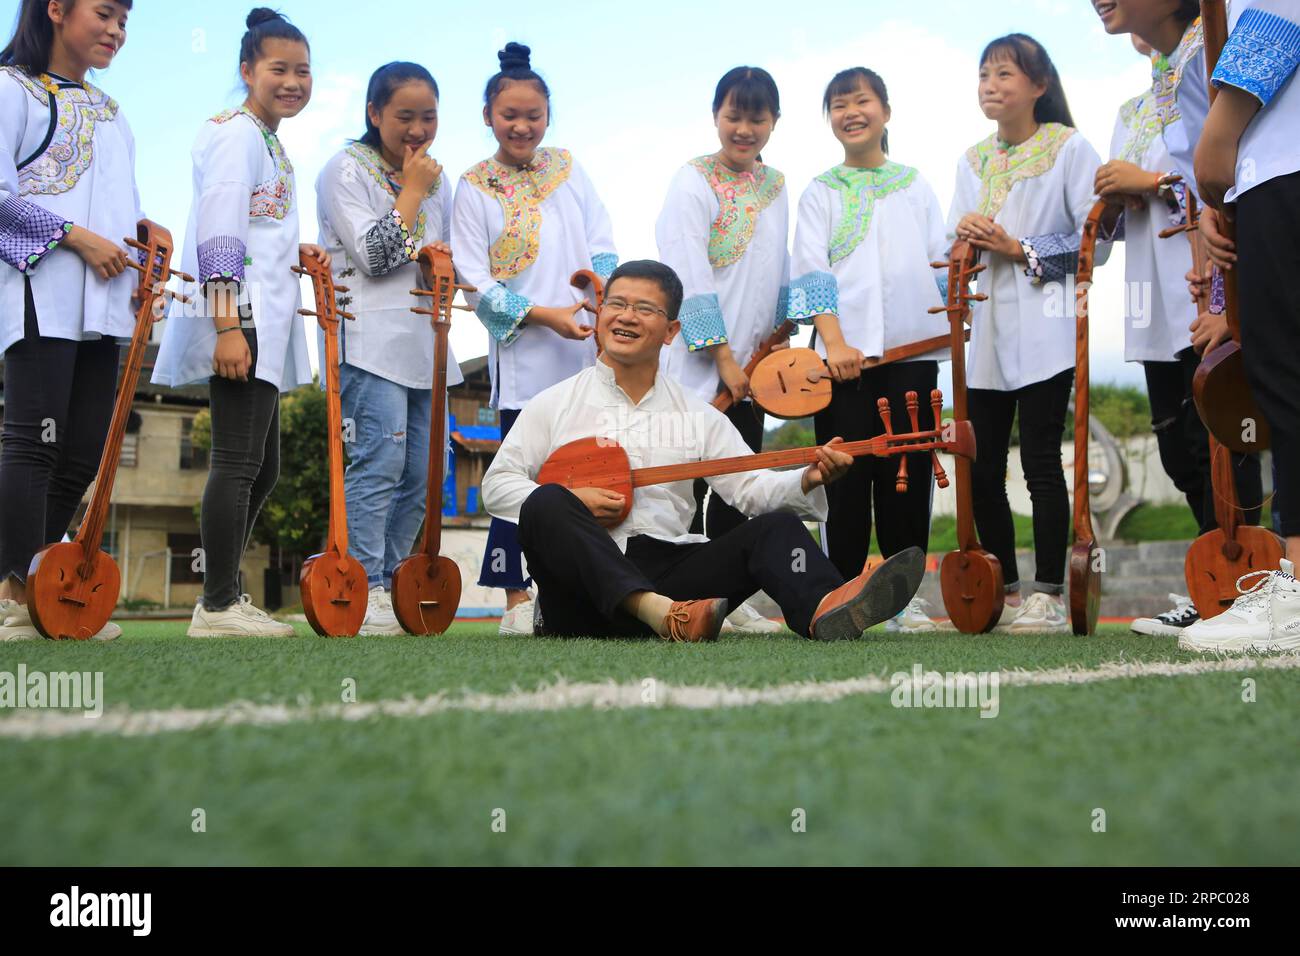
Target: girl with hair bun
243,335
67,198
380,200
523,222
724,229
1022,196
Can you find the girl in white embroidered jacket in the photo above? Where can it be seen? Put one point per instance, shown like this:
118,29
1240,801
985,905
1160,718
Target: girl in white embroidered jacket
379,201
523,222
1021,197
867,232
245,337
68,197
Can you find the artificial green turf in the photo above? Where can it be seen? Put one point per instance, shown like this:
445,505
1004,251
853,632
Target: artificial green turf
145,669
1186,772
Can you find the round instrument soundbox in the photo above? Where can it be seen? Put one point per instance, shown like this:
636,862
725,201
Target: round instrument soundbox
72,587
791,383
426,585
333,584
1225,402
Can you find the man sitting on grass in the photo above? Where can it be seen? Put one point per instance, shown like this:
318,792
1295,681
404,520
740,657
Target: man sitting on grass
598,576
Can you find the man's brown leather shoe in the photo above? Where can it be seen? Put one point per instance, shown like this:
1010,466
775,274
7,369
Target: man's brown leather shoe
873,596
695,621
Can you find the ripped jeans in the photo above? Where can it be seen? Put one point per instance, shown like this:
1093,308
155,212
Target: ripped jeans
387,445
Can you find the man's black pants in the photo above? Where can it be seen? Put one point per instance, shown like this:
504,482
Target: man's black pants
582,577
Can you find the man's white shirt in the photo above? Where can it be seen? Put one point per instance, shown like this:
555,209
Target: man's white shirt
668,426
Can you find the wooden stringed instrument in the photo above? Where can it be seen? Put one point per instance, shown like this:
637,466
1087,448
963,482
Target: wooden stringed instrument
796,383
602,463
334,585
1219,557
1220,389
970,577
72,586
426,585
1085,577
722,401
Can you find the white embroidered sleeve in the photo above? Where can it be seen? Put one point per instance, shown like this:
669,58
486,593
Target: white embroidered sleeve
682,235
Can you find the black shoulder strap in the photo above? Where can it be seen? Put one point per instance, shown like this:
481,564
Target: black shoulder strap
49,133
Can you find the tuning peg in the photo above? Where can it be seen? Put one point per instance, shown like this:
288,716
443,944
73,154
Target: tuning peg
132,264
184,276
346,315
940,308
298,269
940,265
465,288
424,312
976,270
307,312
974,297
136,244
463,308
424,292
341,288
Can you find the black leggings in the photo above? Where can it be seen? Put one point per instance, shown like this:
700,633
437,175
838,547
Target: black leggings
245,466
1184,443
1042,408
1268,252
901,520
721,517
58,405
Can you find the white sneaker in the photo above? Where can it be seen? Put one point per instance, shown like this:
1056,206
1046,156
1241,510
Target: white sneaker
745,620
518,620
1171,623
1040,613
18,625
913,619
380,619
241,619
1266,617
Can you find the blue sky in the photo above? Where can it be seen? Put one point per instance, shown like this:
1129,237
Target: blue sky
631,86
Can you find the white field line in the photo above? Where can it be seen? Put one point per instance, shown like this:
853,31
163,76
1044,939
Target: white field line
30,724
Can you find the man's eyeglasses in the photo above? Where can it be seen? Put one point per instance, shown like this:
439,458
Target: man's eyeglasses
642,310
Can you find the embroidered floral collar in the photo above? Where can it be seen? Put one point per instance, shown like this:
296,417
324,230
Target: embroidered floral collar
860,189
520,190
373,162
741,198
70,149
1000,166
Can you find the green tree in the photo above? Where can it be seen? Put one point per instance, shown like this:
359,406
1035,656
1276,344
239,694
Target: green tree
295,517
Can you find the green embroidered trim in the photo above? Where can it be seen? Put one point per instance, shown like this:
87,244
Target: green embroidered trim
741,197
999,166
390,180
860,190
520,190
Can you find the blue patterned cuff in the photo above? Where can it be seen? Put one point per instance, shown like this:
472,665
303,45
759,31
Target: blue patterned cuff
1261,54
502,313
702,324
782,307
603,264
1050,257
1218,293
28,232
811,295
389,245
222,257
